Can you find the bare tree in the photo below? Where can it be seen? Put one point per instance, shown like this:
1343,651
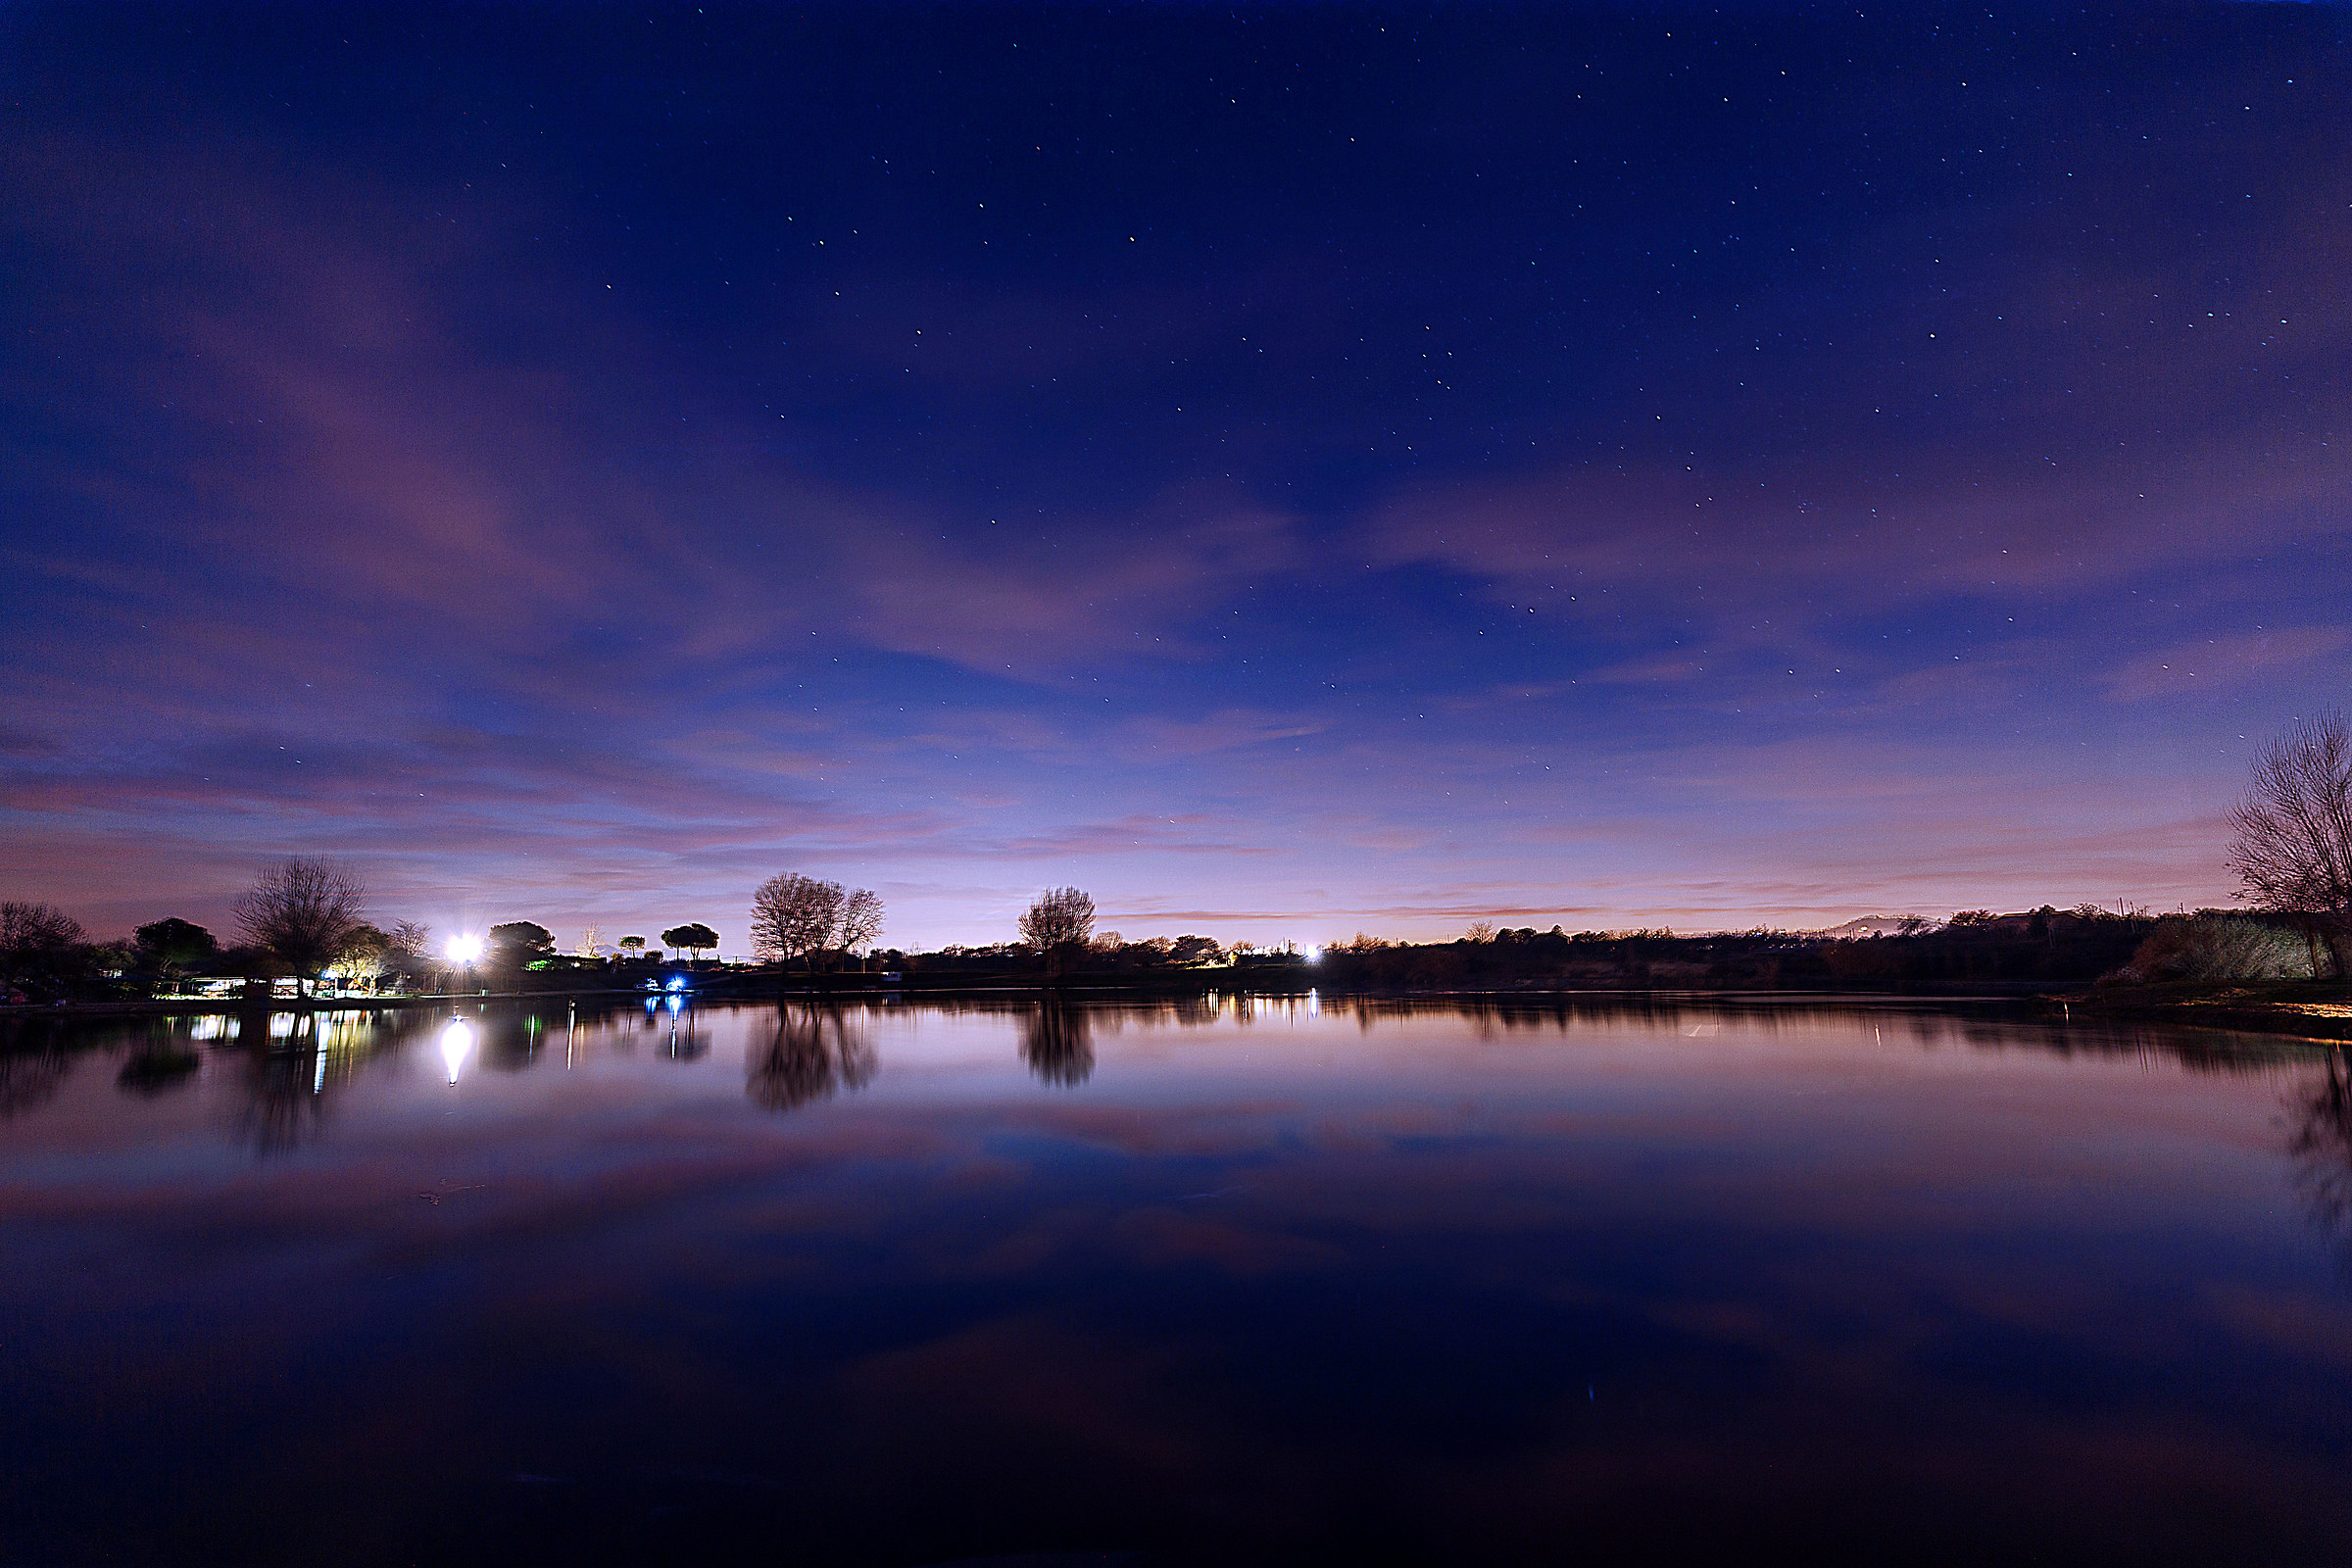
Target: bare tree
793,916
302,913
2293,850
860,920
31,932
408,950
1057,924
796,916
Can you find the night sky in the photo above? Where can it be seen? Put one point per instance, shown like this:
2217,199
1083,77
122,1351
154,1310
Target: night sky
1287,471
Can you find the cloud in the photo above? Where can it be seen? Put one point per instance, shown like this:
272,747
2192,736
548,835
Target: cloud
2215,664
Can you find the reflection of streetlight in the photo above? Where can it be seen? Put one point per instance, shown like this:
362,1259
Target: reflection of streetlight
457,1043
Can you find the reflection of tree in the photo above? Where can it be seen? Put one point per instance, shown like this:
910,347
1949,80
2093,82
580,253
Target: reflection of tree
816,1053
29,1077
157,1066
283,1106
1058,1044
2320,1140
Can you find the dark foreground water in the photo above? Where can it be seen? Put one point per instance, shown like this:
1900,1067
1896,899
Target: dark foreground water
1290,1283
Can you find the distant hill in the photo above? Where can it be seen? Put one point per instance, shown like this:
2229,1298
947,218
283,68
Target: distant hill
1873,926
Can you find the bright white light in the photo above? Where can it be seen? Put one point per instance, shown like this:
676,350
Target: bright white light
465,949
677,983
1315,954
676,1002
457,1043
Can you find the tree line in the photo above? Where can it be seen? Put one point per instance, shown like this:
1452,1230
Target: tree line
2292,851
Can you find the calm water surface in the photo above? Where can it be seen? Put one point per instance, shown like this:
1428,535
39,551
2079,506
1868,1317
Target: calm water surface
1282,1283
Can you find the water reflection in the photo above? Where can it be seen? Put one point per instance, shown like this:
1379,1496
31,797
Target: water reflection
817,1051
457,1043
1312,1279
31,1073
687,1041
159,1067
1057,1041
2319,1143
285,1104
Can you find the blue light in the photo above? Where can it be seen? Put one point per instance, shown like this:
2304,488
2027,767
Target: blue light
678,982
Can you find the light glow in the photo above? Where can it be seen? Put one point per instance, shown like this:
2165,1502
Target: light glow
457,1043
465,949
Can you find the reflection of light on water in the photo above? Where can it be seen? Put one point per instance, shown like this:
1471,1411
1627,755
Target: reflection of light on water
675,1002
212,1027
1314,1003
345,1029
281,1025
456,1041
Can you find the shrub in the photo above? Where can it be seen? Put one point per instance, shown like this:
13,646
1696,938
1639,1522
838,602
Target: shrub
2219,948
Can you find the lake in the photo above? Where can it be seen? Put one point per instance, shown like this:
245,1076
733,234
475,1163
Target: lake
1283,1281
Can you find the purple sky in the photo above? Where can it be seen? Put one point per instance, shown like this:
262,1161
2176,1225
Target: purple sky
1288,473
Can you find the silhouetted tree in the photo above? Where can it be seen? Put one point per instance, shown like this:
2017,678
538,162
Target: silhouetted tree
697,938
516,945
1058,924
796,916
174,945
34,936
793,916
1057,1041
2293,849
632,947
860,920
409,949
301,913
1193,949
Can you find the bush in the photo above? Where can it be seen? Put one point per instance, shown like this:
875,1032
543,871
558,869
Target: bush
2219,948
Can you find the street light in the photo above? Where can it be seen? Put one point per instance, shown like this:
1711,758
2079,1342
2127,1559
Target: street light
466,951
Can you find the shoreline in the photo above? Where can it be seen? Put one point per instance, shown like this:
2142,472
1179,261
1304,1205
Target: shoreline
2317,1011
